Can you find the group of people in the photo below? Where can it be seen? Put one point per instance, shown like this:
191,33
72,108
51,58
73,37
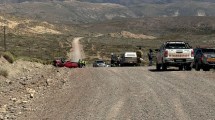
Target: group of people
81,63
115,60
149,54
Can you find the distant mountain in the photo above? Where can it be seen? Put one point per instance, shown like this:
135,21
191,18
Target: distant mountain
20,1
136,2
122,2
67,11
87,11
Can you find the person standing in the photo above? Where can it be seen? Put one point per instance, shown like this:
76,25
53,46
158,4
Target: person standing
83,63
80,63
112,59
139,55
150,57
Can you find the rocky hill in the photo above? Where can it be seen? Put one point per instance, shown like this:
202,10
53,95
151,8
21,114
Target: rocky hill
135,2
68,11
88,11
18,25
21,1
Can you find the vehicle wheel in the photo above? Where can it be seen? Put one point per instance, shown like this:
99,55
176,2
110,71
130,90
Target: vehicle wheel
158,66
197,67
205,68
164,66
180,67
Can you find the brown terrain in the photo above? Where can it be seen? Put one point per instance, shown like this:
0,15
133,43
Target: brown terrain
33,91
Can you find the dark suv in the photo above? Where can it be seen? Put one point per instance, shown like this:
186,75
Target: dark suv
204,58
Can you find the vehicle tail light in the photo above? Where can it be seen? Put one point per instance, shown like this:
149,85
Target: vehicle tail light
192,53
165,53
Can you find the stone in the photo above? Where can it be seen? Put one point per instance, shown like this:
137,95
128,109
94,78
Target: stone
3,109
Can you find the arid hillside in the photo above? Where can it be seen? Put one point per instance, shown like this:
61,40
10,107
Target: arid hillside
156,25
90,11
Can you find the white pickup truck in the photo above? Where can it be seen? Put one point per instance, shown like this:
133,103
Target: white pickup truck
174,53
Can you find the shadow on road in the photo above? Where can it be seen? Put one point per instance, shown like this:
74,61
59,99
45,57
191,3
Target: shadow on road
168,70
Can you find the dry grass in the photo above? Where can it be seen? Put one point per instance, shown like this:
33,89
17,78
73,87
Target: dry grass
41,47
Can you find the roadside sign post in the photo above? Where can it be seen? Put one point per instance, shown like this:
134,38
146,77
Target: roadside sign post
5,45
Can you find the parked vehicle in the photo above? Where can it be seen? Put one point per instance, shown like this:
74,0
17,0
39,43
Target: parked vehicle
70,64
99,63
128,58
61,62
204,58
174,53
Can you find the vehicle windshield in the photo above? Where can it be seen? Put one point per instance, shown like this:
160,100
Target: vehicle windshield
130,55
177,46
208,50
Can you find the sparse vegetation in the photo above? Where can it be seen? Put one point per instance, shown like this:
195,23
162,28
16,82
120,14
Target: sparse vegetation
3,72
186,29
8,56
41,47
44,48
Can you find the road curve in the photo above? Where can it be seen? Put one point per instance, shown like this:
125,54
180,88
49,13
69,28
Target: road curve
128,93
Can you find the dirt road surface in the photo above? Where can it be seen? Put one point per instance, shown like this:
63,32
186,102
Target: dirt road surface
44,92
128,93
77,51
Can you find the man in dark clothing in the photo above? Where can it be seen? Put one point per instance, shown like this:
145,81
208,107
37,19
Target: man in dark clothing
112,59
80,63
150,57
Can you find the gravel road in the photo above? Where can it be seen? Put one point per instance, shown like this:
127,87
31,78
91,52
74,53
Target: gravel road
128,93
77,51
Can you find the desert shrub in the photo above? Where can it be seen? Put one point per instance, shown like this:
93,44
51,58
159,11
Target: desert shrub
8,56
3,72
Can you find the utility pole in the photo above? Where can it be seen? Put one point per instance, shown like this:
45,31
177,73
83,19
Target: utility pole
4,28
5,46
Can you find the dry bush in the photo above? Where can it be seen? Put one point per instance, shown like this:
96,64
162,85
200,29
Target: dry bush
8,56
3,72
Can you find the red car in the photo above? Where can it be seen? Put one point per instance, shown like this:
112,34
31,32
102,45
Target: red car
70,64
62,63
